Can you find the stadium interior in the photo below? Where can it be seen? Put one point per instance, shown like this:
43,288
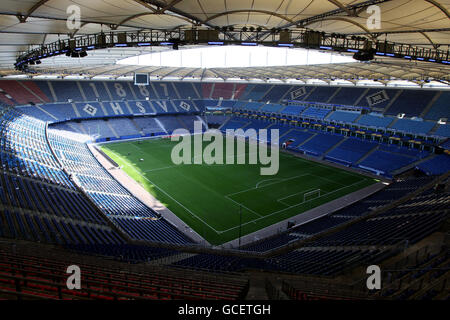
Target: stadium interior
86,176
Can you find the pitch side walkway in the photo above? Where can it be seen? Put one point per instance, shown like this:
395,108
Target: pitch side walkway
140,193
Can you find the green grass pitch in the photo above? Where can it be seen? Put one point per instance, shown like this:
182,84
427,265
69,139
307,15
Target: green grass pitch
208,197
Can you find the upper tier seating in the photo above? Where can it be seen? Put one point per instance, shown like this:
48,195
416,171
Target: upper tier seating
440,107
297,136
257,92
277,93
411,102
67,111
348,96
215,119
321,94
188,90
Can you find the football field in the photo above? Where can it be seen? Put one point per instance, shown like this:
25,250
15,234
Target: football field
209,198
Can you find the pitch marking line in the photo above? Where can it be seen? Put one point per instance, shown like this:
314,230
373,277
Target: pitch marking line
240,204
257,185
254,188
156,186
323,165
162,168
280,200
282,210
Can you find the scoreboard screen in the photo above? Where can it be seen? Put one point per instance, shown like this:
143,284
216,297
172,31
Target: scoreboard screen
141,79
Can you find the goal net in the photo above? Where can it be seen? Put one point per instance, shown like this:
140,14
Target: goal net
307,196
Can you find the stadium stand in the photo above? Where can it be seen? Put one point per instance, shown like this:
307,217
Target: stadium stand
53,190
317,113
413,126
376,121
443,130
28,276
440,164
439,109
347,96
293,110
350,151
343,116
411,102
321,94
124,210
320,143
385,162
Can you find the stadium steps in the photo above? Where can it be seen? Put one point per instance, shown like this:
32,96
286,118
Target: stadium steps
46,112
196,92
444,294
357,119
333,95
112,129
335,146
205,124
413,165
30,91
195,105
170,259
137,127
212,91
419,280
391,103
363,94
224,123
267,92
287,132
284,95
257,287
392,123
281,110
160,124
430,104
302,143
176,90
305,98
245,125
81,128
367,155
433,130
182,124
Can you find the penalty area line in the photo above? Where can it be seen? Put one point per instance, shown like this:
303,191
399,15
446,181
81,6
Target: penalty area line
156,186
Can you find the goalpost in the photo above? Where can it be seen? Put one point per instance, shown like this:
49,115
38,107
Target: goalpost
307,196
